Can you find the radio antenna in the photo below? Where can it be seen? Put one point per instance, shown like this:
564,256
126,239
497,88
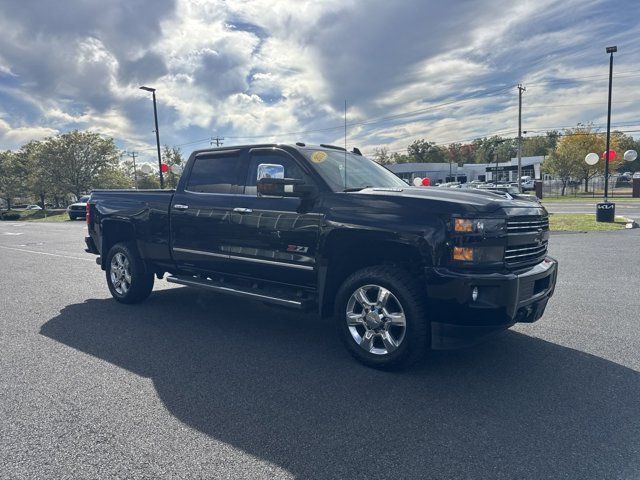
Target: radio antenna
345,143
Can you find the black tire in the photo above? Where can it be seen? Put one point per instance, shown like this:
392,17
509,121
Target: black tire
412,299
72,218
141,279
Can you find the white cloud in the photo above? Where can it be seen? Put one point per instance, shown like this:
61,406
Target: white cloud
245,68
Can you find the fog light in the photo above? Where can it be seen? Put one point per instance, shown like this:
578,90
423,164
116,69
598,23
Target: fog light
463,254
474,294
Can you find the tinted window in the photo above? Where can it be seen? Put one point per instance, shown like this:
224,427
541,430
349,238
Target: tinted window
214,174
291,169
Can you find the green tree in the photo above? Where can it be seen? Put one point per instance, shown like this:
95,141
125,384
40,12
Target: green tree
422,151
172,156
148,180
540,144
626,142
400,158
381,156
486,149
78,158
560,164
112,177
39,181
13,181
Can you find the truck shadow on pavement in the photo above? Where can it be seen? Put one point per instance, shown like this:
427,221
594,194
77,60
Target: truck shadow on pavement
279,386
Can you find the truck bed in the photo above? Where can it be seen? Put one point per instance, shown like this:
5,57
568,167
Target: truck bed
145,212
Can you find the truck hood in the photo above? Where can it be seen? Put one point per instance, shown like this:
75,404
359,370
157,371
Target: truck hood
469,199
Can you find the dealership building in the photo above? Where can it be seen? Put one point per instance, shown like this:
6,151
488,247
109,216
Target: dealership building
484,172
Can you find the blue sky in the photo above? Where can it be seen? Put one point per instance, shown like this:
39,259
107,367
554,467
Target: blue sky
262,71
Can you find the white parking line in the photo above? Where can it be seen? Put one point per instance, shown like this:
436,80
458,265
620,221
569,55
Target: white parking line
47,253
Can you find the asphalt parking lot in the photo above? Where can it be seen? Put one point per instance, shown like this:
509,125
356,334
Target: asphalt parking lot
194,385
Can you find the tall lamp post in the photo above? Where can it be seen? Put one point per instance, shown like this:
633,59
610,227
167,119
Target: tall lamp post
155,118
610,51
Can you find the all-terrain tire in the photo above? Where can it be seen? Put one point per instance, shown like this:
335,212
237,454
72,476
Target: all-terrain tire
410,299
128,278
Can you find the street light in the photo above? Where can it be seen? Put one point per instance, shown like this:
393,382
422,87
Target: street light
155,117
610,51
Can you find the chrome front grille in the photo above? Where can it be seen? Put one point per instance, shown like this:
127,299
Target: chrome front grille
526,240
525,253
524,224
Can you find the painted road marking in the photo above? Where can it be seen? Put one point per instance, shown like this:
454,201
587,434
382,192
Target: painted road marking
47,253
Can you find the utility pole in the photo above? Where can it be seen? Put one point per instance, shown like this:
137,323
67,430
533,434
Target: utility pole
135,172
217,140
521,89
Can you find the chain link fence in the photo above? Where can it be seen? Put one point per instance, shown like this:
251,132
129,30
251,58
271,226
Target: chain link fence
619,187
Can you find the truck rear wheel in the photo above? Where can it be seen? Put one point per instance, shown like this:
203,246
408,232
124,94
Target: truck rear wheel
381,316
128,279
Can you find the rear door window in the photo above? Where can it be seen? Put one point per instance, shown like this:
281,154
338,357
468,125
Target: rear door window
216,173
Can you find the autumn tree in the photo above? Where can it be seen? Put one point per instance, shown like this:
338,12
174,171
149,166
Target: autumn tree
580,141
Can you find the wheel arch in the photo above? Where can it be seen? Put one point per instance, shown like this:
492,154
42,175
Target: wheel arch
347,252
113,232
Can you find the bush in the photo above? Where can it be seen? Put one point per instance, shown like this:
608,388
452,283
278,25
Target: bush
9,216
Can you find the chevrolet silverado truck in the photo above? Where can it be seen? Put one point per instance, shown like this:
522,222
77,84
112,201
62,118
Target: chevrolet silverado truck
401,269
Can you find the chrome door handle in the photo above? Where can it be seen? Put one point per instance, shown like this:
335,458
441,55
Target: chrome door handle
242,210
179,206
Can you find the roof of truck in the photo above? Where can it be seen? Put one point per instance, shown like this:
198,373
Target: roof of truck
297,145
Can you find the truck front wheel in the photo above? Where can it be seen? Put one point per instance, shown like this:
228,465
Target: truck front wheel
128,279
382,318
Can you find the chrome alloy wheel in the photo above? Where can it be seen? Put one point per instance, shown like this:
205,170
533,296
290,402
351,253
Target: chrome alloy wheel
376,319
120,273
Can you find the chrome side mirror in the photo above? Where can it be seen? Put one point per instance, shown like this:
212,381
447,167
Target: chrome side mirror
269,170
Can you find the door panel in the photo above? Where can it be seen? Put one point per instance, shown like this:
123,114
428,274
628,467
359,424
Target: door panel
198,232
276,239
200,215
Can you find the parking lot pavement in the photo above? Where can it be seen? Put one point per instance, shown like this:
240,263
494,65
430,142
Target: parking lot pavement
627,209
194,385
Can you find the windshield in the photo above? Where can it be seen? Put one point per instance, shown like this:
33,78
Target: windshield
360,171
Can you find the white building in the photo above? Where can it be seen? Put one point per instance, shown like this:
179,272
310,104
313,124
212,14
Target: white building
445,172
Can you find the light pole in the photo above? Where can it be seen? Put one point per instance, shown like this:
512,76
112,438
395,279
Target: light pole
610,51
155,118
521,89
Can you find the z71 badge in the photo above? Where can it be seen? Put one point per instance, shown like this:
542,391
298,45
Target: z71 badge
297,249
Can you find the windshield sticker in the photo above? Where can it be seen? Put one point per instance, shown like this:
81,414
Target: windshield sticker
318,157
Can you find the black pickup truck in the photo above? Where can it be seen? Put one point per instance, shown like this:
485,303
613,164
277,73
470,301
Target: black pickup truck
401,269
